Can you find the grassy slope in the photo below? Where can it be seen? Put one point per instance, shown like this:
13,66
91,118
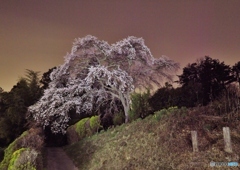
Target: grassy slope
158,142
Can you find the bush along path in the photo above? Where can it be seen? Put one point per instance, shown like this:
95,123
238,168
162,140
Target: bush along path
57,159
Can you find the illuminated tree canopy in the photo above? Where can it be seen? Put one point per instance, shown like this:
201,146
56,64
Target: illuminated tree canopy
95,73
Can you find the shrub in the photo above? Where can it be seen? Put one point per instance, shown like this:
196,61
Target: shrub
133,115
23,158
106,121
9,151
88,126
80,127
83,128
118,118
140,107
95,123
32,139
5,133
14,157
159,114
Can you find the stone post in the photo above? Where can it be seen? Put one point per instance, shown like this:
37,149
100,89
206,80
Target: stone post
194,141
227,140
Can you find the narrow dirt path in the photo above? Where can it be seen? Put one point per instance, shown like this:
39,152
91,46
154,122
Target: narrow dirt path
57,159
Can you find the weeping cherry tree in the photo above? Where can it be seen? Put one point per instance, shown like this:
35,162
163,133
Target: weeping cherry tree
96,73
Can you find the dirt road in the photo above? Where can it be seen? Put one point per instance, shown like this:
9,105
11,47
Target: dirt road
57,159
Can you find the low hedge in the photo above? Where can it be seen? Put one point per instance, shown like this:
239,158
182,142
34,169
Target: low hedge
83,128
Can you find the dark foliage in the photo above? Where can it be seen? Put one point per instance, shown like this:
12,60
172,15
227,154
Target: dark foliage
236,72
13,107
201,82
106,120
210,76
168,96
140,107
46,78
1,154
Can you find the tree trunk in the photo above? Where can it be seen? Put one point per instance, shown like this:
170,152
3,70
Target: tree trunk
126,118
126,109
125,102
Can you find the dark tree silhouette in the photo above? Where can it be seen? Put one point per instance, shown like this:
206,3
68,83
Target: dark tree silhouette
236,72
46,78
210,76
33,83
13,106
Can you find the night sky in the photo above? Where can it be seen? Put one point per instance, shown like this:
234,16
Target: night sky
37,34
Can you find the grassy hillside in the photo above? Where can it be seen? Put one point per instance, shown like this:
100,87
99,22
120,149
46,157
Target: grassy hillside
160,141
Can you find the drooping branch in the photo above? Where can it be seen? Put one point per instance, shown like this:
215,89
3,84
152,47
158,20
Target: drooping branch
95,73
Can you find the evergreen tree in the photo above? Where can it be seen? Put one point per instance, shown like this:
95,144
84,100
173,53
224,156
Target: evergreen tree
210,76
236,72
14,104
45,80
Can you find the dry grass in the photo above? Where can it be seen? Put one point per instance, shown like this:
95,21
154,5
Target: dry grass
158,144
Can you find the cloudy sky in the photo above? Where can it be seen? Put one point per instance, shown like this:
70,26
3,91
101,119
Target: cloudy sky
37,34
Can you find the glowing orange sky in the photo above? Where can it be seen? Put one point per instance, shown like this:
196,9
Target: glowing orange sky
37,34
